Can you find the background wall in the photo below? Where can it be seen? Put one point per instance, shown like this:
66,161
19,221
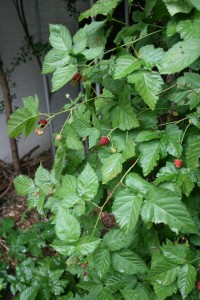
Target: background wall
27,75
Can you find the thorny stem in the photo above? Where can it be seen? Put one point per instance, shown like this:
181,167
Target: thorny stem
111,194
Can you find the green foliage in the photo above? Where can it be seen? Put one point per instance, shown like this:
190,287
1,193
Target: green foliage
125,216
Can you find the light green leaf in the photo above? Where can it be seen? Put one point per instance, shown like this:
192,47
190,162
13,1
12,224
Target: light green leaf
31,103
70,201
186,181
186,279
123,115
59,161
125,65
128,262
101,7
171,140
102,261
87,183
29,293
150,56
80,41
115,239
67,227
93,137
179,56
62,75
150,154
175,253
189,29
129,149
193,152
112,167
86,245
179,6
166,207
149,5
66,187
195,3
71,139
43,177
18,121
23,184
60,37
126,208
106,294
139,185
55,59
148,85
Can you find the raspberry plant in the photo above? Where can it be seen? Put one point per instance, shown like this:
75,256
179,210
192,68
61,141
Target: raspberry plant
126,220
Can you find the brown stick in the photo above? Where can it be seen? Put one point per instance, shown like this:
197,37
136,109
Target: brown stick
8,112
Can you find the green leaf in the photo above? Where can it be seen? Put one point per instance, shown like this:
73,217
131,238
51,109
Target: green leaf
18,121
193,152
138,184
179,56
66,187
102,261
126,208
125,65
175,253
150,154
55,59
86,245
43,177
167,173
186,279
63,248
128,262
150,56
62,75
106,294
93,287
123,115
115,239
195,3
29,293
163,292
147,135
140,293
163,271
59,161
179,6
67,227
71,139
149,6
148,85
31,104
87,183
23,184
60,38
171,140
129,149
186,181
166,207
101,7
112,167
118,281
80,41
189,29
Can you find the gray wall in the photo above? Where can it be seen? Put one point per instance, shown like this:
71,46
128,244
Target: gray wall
27,76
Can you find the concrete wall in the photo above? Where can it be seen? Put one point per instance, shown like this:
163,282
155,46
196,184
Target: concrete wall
27,76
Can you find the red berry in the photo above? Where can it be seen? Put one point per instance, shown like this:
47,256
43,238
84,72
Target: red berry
76,77
104,141
37,193
42,123
178,163
85,274
198,285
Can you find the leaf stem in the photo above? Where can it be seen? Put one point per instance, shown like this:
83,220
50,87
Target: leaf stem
185,133
111,194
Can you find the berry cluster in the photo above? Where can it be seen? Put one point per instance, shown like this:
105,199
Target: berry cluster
104,140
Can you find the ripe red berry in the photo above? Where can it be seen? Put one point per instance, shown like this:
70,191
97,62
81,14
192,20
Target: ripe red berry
37,193
178,163
104,140
76,78
42,123
198,285
85,274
